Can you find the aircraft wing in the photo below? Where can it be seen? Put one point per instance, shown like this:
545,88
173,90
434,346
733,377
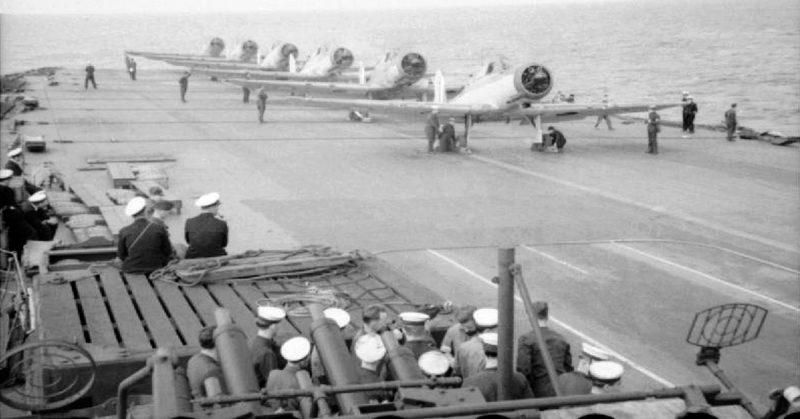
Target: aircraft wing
258,75
405,106
579,111
325,87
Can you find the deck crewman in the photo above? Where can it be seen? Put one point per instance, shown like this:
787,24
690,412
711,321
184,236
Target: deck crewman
206,234
264,349
132,68
296,352
653,128
605,375
459,332
16,229
371,354
143,246
203,369
432,128
731,122
604,116
447,139
89,77
184,84
470,357
39,216
559,140
434,363
418,338
529,357
261,103
15,161
486,380
579,381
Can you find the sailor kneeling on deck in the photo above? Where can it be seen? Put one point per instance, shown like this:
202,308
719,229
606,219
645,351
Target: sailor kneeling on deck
143,246
206,234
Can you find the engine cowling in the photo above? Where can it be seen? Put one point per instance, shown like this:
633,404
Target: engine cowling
413,66
215,47
288,49
533,81
246,51
341,58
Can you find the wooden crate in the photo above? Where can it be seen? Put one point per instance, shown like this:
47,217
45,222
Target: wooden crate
144,186
121,174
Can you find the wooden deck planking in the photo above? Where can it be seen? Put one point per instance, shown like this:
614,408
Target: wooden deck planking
182,313
157,320
121,174
115,218
91,195
261,290
203,303
58,313
144,187
243,317
98,321
134,337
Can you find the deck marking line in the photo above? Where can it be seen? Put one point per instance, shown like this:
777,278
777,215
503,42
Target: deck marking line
574,331
711,278
657,209
555,259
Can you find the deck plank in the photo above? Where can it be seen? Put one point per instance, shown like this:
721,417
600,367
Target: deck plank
251,293
58,313
91,195
134,337
158,322
98,322
203,303
243,317
186,319
115,218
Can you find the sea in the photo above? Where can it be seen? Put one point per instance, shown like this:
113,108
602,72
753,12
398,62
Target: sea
721,51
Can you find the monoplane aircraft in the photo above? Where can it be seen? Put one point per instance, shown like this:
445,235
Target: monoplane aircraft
501,93
214,51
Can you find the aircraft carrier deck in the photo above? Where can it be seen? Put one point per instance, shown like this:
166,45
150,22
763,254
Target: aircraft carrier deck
624,245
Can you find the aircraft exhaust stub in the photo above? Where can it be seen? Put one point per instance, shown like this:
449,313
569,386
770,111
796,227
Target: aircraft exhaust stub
215,47
533,81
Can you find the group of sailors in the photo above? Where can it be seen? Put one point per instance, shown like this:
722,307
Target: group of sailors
468,350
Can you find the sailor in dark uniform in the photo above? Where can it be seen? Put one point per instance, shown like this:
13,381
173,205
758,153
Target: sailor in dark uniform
16,230
296,352
486,380
447,139
470,357
184,83
418,339
558,138
206,234
261,103
15,161
432,129
203,369
653,128
370,354
39,216
143,246
264,350
89,77
529,357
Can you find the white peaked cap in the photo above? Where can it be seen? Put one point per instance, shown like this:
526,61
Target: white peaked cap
485,317
489,338
295,349
135,206
6,174
433,363
413,317
15,152
606,371
271,313
38,197
207,200
369,348
341,317
594,352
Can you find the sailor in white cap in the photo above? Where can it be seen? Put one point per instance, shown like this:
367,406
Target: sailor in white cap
370,352
459,332
434,363
689,112
578,382
342,319
16,161
374,319
264,350
17,229
5,176
203,369
296,352
486,379
470,358
417,337
143,246
529,357
39,216
206,234
605,376
653,128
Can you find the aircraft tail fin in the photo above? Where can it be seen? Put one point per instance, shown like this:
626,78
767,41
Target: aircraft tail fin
439,95
362,73
292,64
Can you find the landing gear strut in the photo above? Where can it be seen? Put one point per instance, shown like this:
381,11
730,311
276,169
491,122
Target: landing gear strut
467,125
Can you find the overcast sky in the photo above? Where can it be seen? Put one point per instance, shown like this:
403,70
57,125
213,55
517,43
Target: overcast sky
205,6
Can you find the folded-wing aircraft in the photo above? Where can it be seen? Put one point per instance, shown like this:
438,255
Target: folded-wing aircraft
277,58
502,93
326,64
394,76
213,52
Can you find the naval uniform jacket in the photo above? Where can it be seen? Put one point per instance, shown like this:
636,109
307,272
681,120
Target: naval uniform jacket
285,379
143,247
14,167
200,367
37,218
453,338
265,355
486,382
470,358
531,364
206,235
17,230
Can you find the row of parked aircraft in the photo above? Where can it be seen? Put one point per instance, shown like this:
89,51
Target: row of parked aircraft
498,92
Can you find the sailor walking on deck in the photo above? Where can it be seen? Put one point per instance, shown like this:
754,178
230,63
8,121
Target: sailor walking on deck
89,77
261,104
731,122
653,128
689,112
143,246
184,84
206,234
203,369
603,116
